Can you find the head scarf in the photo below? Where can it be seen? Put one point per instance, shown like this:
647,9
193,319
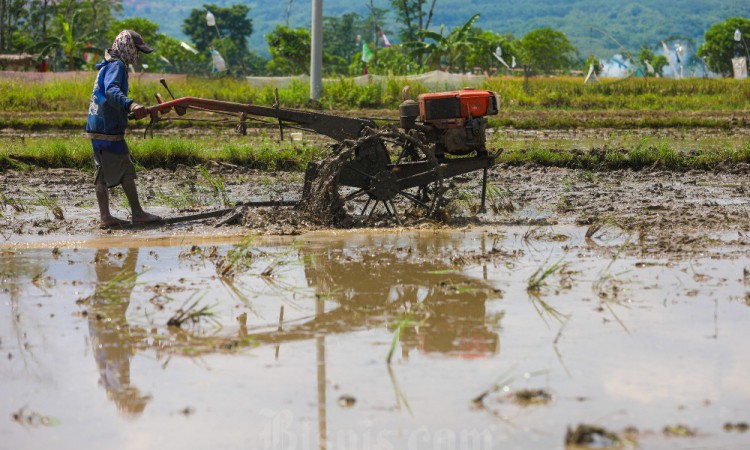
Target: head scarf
123,49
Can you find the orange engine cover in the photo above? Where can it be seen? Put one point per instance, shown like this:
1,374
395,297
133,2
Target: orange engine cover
450,109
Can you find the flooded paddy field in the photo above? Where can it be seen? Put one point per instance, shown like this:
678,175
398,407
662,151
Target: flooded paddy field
498,337
585,309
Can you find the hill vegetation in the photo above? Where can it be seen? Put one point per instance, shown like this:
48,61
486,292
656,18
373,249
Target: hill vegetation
632,23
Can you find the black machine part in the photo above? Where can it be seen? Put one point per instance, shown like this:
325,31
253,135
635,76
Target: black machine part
461,140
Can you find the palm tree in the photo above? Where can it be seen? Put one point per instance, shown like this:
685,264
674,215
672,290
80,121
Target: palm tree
72,47
448,48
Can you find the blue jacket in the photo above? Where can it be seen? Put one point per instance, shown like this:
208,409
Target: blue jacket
109,107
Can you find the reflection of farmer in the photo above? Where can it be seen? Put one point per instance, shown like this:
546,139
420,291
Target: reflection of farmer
107,121
111,339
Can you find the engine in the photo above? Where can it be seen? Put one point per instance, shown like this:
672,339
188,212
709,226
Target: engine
455,121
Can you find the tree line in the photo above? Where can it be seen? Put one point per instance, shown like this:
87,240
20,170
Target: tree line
72,35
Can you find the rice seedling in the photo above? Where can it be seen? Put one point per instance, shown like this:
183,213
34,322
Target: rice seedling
400,327
607,284
191,314
216,185
47,201
399,394
14,204
523,397
500,199
544,309
237,260
180,198
117,289
538,279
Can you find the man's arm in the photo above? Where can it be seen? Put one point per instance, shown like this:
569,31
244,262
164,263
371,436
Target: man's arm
113,82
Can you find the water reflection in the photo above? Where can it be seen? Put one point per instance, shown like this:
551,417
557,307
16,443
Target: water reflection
375,287
113,341
356,287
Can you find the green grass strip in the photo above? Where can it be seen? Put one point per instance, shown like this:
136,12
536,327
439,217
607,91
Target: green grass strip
558,93
266,154
161,152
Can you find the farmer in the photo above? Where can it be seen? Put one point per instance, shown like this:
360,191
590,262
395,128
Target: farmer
107,121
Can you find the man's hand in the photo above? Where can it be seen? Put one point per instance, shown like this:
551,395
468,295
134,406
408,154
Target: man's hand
138,111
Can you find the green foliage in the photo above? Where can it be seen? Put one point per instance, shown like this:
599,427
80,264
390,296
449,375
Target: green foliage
163,152
36,23
657,62
544,50
393,60
645,154
264,154
413,17
232,22
290,51
61,100
70,43
178,59
484,44
720,46
345,91
340,35
402,324
439,48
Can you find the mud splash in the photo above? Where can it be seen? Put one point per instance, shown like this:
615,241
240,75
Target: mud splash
320,198
320,205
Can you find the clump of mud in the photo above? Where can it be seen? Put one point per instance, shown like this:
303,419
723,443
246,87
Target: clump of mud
320,205
321,201
591,436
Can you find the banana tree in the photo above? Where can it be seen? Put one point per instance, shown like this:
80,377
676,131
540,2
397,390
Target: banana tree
67,43
437,47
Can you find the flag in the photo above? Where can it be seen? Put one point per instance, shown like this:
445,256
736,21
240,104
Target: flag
591,76
740,68
500,58
187,47
219,64
668,54
386,43
649,67
366,53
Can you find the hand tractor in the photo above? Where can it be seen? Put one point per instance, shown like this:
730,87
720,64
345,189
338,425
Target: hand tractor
392,171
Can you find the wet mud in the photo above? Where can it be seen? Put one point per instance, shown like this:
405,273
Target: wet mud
662,211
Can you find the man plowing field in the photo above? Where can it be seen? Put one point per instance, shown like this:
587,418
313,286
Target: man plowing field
106,124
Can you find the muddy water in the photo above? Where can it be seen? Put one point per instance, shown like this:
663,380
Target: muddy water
291,350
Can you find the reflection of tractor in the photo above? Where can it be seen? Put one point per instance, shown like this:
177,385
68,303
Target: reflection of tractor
402,168
374,287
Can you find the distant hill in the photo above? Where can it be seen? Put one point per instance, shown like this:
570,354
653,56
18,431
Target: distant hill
632,23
